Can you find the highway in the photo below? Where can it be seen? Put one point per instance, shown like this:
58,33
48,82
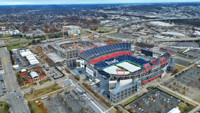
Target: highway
179,40
14,95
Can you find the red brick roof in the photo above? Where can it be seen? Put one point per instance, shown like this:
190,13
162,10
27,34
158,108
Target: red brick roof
23,74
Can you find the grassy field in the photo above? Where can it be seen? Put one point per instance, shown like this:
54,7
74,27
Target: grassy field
198,99
106,30
103,29
44,81
129,101
184,107
14,40
28,86
42,91
179,67
34,107
17,46
4,107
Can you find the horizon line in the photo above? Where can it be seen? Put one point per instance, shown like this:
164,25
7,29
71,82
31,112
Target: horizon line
100,3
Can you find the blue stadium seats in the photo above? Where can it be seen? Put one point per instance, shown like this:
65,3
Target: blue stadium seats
95,52
166,55
104,73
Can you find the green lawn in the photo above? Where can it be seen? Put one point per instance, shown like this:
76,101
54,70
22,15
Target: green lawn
103,28
14,40
28,86
129,101
4,107
42,91
43,81
34,107
184,107
179,67
198,99
17,46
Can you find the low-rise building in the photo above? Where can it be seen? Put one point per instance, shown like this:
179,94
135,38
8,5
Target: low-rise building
73,30
5,33
32,76
29,56
35,33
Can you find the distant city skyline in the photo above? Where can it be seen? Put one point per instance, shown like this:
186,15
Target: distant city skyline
37,2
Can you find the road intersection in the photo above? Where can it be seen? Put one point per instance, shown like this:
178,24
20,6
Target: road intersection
14,95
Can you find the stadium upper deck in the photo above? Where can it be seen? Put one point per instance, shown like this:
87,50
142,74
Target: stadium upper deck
103,50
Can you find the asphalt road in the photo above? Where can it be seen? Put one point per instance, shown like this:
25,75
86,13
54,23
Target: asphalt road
14,96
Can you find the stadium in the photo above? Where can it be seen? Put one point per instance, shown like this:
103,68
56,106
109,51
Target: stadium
125,72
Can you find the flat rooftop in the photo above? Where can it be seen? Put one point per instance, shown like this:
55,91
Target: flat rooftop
55,58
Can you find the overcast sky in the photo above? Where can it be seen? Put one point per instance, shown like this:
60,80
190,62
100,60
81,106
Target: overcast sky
24,2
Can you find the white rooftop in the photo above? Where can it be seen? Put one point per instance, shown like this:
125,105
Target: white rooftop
34,74
29,56
173,33
162,24
23,70
175,110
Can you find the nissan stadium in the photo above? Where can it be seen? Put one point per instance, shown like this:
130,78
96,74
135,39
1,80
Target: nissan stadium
124,71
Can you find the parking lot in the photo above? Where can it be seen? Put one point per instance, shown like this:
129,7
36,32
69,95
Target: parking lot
182,62
74,102
186,44
155,101
175,50
77,102
55,105
194,53
187,83
19,60
70,101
